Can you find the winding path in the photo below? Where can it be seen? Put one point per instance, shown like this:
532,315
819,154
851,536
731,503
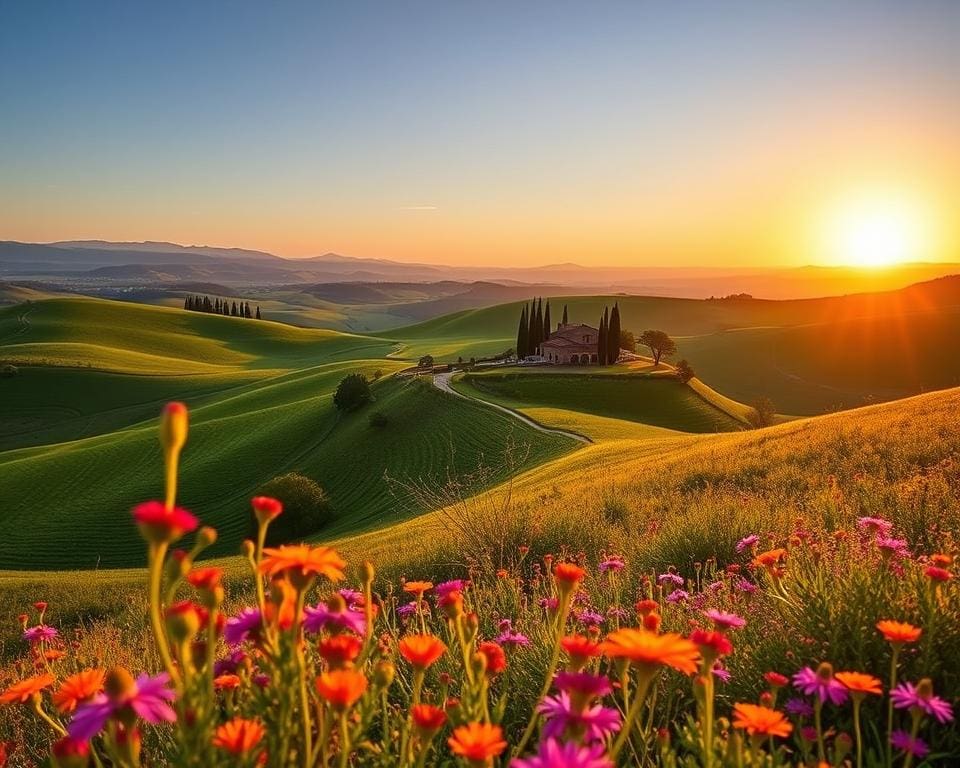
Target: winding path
442,382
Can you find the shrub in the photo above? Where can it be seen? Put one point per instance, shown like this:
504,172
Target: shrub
762,413
353,392
306,508
425,362
684,371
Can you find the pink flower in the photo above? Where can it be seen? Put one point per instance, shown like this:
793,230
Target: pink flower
876,525
562,714
748,542
148,698
723,620
39,634
820,683
677,596
613,563
721,673
583,685
893,547
912,745
798,708
555,754
670,578
921,696
446,587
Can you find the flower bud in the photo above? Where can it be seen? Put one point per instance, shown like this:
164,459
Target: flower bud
383,674
183,621
68,753
206,537
247,549
266,508
479,664
367,572
842,745
119,684
173,427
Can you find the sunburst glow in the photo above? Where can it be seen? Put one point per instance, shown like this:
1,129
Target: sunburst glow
878,230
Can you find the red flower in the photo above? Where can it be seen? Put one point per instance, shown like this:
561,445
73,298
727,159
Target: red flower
340,650
775,679
266,508
205,578
159,524
568,575
428,719
496,658
712,643
580,649
644,607
937,574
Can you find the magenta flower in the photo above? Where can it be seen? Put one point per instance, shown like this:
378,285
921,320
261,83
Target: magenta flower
445,588
589,617
549,603
746,586
555,754
748,542
513,639
148,699
240,627
820,683
322,616
721,672
723,620
893,547
563,715
613,563
907,695
912,745
876,525
39,634
670,578
350,596
582,685
407,609
677,596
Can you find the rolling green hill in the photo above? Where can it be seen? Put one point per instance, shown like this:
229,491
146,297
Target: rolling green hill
656,401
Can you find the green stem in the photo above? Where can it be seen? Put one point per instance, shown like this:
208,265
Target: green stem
639,696
821,750
158,553
856,731
893,683
914,728
344,740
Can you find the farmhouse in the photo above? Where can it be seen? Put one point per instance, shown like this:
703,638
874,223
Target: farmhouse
571,345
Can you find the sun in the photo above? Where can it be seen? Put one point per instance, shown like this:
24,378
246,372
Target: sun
877,230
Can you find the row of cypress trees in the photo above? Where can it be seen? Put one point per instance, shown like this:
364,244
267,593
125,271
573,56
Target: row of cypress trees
608,343
220,307
535,327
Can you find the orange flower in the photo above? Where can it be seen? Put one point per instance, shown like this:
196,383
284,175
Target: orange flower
205,578
421,650
77,688
428,719
760,721
772,561
226,682
645,607
648,649
941,561
479,743
342,687
22,691
580,649
568,574
303,560
54,654
238,736
899,631
417,587
859,683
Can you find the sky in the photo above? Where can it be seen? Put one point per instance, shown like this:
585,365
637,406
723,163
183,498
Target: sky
496,133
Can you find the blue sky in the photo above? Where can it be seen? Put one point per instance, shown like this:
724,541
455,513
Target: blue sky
422,130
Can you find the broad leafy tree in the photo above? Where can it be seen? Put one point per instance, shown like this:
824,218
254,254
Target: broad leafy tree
659,344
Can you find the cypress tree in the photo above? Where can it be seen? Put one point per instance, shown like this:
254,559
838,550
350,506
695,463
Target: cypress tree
258,312
565,321
539,326
522,334
233,309
531,330
602,339
613,335
547,329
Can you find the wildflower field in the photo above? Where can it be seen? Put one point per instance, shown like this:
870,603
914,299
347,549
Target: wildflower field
773,615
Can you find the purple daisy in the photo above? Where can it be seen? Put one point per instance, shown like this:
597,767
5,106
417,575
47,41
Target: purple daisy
907,695
583,684
350,596
893,547
748,542
321,616
556,754
677,596
148,699
561,713
820,683
513,639
798,707
240,627
721,673
589,617
876,525
723,620
614,563
912,745
745,586
407,609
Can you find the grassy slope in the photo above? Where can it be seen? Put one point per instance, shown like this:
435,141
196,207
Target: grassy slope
650,400
67,505
684,497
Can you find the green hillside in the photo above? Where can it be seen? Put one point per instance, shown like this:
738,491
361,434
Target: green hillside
657,401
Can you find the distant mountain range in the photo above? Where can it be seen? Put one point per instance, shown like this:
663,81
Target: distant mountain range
86,264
